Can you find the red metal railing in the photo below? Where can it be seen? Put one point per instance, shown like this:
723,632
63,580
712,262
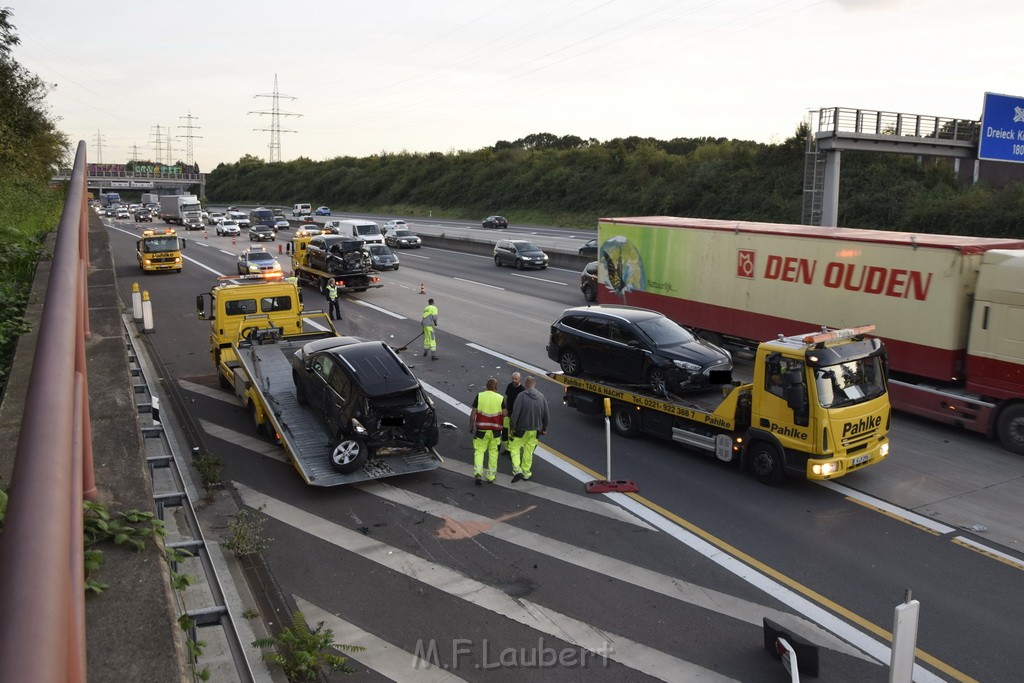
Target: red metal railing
42,591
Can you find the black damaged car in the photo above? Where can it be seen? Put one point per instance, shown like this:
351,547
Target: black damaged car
368,397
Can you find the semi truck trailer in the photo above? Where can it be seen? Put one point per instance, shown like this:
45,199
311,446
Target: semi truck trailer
949,308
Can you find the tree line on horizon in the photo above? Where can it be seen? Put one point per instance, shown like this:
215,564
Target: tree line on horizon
572,181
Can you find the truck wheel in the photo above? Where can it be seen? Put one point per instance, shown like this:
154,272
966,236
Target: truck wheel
570,362
261,427
1010,428
766,464
224,383
589,293
349,455
625,421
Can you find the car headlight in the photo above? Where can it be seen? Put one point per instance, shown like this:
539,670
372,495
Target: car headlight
884,450
683,365
253,268
358,427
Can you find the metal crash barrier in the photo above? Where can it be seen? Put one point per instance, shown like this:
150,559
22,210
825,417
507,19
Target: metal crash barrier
42,592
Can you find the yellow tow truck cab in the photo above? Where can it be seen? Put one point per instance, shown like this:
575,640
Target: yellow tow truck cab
160,250
817,407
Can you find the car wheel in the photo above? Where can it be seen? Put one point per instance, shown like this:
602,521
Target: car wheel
766,463
497,261
300,391
589,292
625,420
570,362
396,267
519,264
349,455
656,380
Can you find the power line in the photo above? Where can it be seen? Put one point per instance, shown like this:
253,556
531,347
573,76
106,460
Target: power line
188,137
275,129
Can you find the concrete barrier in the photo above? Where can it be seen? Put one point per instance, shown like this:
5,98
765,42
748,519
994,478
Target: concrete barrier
469,245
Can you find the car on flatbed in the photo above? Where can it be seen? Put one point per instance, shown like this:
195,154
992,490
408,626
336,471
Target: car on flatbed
367,396
637,346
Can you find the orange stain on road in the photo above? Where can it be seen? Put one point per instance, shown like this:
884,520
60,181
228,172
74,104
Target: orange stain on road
454,530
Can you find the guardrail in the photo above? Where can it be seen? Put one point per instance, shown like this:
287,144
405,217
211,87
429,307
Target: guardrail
42,590
838,120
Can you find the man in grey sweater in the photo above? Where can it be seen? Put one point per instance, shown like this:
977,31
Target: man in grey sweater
528,421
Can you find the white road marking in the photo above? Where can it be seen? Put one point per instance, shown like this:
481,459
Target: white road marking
540,279
244,440
669,586
602,643
380,655
360,302
509,359
532,488
474,282
992,552
913,517
877,650
209,392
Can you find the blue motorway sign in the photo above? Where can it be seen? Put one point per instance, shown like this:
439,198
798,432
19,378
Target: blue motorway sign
1002,128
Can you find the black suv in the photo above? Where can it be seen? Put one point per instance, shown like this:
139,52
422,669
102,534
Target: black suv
636,346
338,254
494,222
143,215
368,397
519,253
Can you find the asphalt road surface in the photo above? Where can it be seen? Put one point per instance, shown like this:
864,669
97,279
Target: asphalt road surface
443,580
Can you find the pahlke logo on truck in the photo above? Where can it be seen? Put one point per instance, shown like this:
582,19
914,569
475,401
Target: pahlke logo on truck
855,277
787,431
865,424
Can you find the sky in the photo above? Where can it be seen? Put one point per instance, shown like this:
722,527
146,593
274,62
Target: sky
364,78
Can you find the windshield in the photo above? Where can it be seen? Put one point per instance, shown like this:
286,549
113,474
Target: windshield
378,249
526,246
261,257
849,383
403,233
191,207
664,332
368,229
151,244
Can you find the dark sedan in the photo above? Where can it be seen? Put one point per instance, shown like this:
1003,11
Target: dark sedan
589,249
368,397
262,233
495,222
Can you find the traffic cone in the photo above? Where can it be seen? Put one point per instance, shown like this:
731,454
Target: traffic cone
422,290
206,235
233,240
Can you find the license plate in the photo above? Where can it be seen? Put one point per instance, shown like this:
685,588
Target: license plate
860,460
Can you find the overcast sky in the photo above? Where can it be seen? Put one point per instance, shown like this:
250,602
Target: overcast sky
448,75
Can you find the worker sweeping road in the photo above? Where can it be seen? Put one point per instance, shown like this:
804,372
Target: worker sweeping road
429,322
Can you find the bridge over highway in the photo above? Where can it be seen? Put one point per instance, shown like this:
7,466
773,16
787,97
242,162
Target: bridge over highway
104,177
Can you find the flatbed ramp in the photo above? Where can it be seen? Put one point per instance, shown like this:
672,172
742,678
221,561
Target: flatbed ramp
303,434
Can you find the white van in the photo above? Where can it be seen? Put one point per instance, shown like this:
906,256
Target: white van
368,231
301,210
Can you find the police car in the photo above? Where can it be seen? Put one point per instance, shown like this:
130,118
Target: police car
256,260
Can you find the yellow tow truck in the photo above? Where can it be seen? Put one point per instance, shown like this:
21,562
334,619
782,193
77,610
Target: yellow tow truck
817,408
257,327
160,250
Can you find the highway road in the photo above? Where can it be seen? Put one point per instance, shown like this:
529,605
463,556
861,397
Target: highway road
437,576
